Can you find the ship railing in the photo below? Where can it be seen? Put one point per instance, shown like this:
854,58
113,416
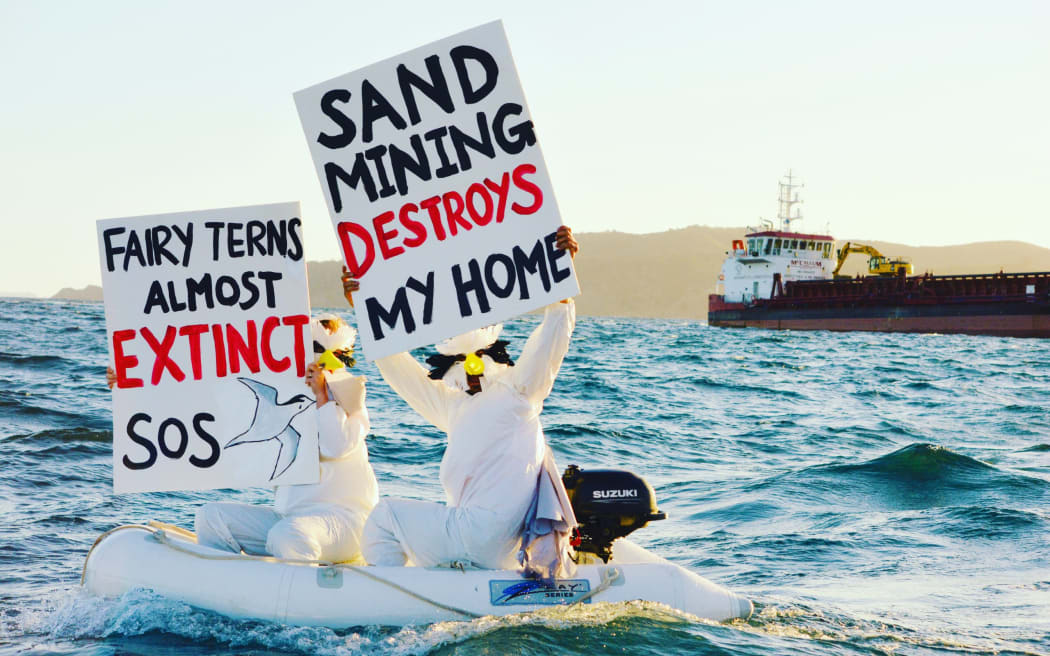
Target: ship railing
923,289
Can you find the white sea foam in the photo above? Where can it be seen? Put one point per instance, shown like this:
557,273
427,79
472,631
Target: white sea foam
78,616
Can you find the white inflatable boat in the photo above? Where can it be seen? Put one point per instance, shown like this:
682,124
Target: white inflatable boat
169,561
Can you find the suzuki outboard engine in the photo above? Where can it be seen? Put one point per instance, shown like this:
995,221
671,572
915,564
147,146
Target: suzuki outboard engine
609,504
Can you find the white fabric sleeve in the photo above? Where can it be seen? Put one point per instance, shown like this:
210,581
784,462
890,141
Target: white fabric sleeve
536,368
429,397
340,431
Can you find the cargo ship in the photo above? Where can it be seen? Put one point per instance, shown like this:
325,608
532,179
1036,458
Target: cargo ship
785,280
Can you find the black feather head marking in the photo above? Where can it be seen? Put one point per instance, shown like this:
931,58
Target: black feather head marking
441,363
346,356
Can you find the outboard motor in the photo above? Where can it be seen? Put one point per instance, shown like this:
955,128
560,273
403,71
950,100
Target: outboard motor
609,504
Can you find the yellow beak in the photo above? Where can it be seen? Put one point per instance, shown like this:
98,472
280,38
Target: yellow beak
473,365
329,361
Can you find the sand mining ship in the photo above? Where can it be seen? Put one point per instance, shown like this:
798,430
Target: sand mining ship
786,280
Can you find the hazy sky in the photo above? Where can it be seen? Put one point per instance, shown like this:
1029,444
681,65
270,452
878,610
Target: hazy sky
926,123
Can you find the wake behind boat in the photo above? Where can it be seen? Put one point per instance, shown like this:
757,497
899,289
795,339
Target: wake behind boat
609,505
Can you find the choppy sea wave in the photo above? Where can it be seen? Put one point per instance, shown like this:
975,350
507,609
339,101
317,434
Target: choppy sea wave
871,493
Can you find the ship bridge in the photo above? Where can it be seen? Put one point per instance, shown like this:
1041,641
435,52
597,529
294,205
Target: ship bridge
775,242
747,272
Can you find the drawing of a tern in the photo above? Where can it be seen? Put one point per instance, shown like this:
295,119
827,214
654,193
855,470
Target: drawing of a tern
273,421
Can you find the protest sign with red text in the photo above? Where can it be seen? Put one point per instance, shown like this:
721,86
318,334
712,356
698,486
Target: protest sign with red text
438,191
207,322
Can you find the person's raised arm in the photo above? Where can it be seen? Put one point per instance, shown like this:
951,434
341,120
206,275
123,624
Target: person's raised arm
564,241
540,360
430,398
340,432
537,366
350,285
339,429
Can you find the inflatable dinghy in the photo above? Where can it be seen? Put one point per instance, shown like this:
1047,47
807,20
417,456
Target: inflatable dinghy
608,504
169,561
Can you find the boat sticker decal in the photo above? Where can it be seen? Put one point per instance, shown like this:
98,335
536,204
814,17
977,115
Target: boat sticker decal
523,592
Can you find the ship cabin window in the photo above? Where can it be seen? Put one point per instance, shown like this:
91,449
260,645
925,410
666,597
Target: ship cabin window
753,246
827,249
812,245
769,246
794,244
776,247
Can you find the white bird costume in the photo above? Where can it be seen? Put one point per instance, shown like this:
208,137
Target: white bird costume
318,521
495,454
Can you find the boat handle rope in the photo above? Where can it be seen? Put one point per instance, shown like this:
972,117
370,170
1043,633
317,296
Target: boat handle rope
83,570
608,576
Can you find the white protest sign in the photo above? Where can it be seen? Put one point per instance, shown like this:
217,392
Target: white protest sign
438,191
207,321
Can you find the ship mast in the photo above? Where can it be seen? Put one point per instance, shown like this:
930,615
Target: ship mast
788,199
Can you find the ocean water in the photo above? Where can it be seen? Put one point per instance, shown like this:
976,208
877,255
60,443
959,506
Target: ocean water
872,494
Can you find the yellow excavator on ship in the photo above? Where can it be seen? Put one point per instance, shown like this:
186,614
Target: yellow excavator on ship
878,264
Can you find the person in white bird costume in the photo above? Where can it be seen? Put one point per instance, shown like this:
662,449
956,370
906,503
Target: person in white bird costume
319,521
501,484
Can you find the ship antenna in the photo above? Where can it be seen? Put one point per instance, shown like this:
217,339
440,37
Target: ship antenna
788,199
